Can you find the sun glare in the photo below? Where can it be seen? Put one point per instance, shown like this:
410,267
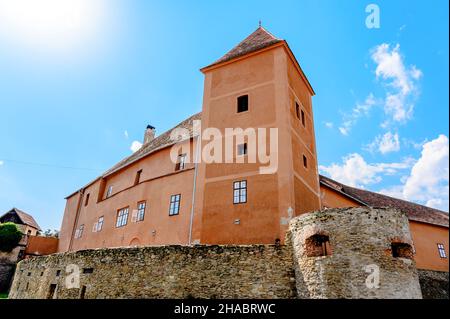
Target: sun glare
51,25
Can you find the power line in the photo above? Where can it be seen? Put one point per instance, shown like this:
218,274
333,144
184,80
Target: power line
49,165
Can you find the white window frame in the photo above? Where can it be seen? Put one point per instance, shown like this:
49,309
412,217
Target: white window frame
122,217
99,224
141,211
240,192
175,203
441,250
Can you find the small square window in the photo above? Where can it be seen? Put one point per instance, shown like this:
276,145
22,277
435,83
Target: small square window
86,201
305,161
242,149
242,104
303,118
174,207
297,110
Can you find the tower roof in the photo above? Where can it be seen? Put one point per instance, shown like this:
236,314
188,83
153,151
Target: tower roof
258,40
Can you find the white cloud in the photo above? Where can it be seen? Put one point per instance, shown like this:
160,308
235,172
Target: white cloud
355,171
126,134
401,79
360,110
428,181
385,144
329,124
1,163
135,146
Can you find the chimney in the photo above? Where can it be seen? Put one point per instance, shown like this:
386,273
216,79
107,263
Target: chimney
149,134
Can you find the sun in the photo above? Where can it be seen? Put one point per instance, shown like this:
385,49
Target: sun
50,25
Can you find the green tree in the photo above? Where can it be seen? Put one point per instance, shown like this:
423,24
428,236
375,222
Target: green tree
10,236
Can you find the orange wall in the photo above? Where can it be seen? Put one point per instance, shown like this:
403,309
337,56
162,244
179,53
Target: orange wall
39,245
333,199
426,237
156,228
264,78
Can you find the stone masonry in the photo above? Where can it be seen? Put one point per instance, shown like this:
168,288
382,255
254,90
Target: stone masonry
360,260
336,253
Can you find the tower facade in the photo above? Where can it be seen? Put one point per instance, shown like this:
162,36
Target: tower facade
257,87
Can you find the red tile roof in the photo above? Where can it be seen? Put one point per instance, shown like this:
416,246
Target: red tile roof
26,219
414,211
258,40
156,144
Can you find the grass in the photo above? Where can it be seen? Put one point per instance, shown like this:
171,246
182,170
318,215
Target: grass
3,295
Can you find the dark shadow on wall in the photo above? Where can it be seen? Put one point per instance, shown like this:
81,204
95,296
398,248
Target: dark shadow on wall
6,276
434,284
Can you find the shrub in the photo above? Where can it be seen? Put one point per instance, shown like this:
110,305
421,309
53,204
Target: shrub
10,236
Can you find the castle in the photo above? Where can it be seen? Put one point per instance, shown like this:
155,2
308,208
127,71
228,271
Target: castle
163,195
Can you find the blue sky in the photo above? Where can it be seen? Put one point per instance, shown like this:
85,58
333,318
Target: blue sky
80,80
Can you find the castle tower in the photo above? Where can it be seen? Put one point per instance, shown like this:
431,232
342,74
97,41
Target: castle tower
354,253
257,85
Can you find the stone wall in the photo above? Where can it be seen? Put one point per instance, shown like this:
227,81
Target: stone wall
351,253
434,284
258,271
336,253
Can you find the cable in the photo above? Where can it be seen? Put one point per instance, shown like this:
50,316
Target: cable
49,165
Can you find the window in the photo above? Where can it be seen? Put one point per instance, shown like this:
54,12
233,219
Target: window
122,217
181,164
138,177
58,273
88,270
141,211
109,192
242,104
174,208
317,246
242,149
240,192
303,118
402,250
99,225
441,250
305,161
29,232
297,110
79,231
86,201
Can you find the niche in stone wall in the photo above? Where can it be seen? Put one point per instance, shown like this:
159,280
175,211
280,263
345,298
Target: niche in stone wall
318,245
402,250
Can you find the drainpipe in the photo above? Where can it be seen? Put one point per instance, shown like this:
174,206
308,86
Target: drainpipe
80,201
194,187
